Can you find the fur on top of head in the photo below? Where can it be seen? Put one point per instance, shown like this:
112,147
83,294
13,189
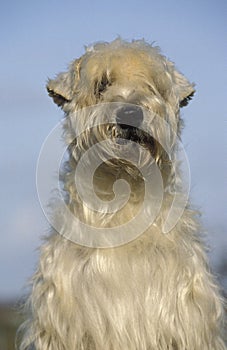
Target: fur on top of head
119,64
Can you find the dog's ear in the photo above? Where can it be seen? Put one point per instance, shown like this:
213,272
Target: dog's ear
185,90
60,88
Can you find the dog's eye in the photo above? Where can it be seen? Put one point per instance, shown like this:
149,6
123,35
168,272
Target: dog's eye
102,85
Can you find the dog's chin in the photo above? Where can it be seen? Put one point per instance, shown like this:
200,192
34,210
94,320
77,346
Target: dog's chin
136,149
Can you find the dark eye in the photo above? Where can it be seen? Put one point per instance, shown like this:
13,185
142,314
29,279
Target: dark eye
102,85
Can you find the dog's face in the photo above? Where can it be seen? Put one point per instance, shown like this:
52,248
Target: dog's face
122,82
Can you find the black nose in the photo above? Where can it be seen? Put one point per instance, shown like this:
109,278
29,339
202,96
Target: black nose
129,116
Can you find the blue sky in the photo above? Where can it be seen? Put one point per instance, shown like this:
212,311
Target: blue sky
38,39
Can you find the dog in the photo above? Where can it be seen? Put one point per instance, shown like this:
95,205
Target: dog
124,267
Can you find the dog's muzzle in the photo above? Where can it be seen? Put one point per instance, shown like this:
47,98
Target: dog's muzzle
129,119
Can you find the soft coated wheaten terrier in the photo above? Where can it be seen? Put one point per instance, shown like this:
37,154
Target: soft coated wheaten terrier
124,267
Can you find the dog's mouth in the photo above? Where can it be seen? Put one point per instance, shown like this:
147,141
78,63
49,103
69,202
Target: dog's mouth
127,133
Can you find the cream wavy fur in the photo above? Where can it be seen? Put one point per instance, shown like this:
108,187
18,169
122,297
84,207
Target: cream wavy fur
155,292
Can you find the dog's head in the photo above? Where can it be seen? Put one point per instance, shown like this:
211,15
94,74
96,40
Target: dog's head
123,82
122,103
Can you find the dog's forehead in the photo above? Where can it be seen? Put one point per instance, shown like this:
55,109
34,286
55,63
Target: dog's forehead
121,62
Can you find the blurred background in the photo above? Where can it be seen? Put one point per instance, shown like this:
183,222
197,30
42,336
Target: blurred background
38,40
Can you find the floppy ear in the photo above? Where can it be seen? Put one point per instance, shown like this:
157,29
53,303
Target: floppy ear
184,89
60,88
